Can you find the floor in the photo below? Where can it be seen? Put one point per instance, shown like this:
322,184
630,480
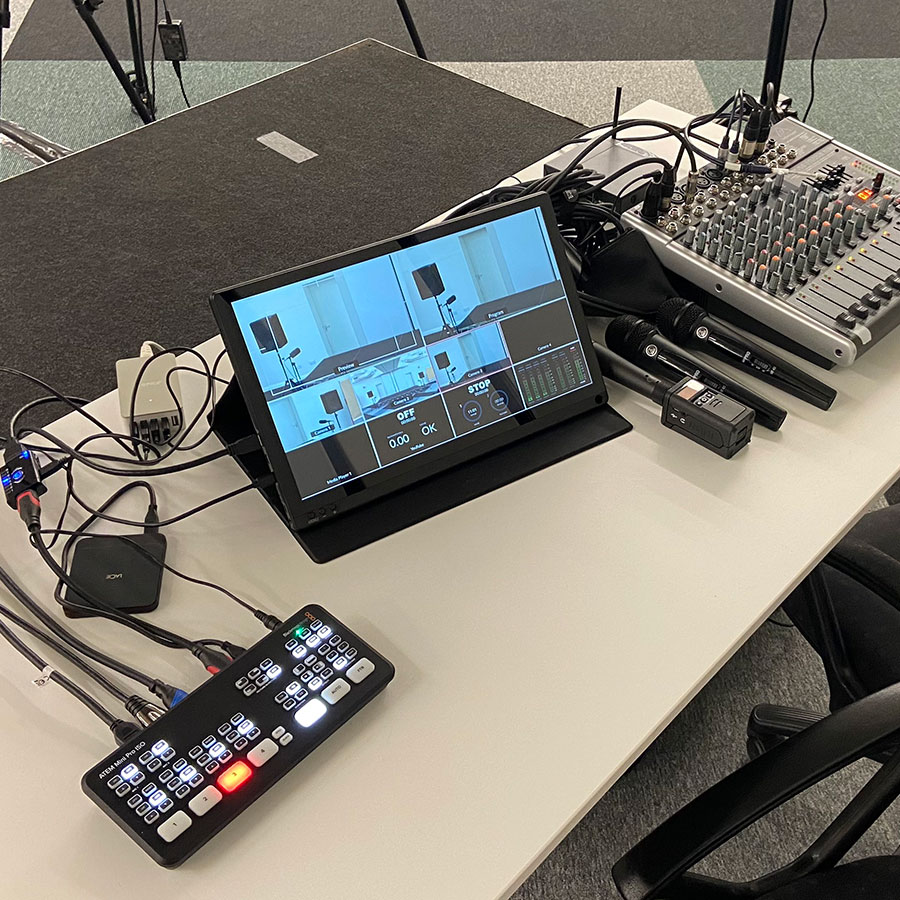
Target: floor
567,57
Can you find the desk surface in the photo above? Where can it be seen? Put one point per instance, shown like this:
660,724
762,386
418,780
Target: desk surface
543,636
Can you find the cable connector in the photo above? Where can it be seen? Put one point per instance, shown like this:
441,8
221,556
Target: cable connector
213,661
271,622
151,520
233,650
143,710
170,696
29,508
667,187
124,731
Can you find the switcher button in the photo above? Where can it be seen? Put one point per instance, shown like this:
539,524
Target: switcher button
336,691
262,752
174,826
361,670
204,801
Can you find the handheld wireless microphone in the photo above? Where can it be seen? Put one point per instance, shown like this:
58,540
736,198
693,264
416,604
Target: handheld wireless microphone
641,343
689,325
693,410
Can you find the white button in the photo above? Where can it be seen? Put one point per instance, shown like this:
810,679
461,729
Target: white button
361,670
205,801
278,732
336,691
175,825
262,752
310,713
285,739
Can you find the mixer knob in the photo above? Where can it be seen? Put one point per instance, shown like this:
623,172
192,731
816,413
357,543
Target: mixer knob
859,311
871,301
882,290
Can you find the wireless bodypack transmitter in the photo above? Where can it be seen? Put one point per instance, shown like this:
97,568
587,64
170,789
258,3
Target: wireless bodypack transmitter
116,571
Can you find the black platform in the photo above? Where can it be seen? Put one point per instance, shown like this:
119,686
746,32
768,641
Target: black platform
125,241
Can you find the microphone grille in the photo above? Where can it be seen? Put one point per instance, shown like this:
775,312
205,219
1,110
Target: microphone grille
676,318
625,335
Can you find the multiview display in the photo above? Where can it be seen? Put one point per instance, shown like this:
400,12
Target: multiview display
373,363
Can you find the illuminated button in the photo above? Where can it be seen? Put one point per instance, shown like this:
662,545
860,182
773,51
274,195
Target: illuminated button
318,667
203,759
159,748
341,663
278,732
265,664
285,739
195,752
143,809
168,754
113,782
217,750
232,736
156,798
332,656
123,789
234,776
336,691
316,624
151,817
262,752
324,632
361,670
274,672
245,727
291,644
237,717
325,674
174,826
292,688
316,683
310,713
334,641
299,652
225,757
207,742
313,641
350,653
166,805
253,673
212,767
129,771
240,743
188,773
196,780
183,791
224,729
205,801
253,734
306,676
280,696
146,756
153,765
311,660
137,779
342,647
164,776
179,764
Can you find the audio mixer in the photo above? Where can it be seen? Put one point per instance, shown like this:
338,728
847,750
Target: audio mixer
813,252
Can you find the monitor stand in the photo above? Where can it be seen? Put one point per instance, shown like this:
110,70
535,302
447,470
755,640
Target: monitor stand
357,527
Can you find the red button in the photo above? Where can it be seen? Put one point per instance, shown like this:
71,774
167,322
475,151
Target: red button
234,776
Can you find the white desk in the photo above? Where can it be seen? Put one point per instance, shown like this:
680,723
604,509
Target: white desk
644,562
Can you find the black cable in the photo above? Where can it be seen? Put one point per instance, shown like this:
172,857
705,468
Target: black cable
178,75
153,53
64,634
39,663
63,651
812,60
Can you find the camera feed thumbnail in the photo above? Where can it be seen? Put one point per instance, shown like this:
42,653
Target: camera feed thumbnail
469,355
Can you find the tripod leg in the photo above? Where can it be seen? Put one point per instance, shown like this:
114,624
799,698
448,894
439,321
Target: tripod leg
87,16
411,29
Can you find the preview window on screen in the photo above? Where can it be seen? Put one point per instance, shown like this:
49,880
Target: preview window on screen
375,362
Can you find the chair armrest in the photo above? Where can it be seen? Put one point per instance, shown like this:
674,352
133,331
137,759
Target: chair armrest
754,790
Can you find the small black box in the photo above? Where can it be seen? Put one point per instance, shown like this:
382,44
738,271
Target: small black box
116,571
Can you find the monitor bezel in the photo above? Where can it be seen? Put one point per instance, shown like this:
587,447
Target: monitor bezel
303,513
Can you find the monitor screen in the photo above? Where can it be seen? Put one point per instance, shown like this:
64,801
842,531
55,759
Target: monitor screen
428,343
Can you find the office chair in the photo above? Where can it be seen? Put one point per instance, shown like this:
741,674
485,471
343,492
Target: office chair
848,609
658,867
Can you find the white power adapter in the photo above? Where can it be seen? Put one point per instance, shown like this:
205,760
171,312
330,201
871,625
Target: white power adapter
157,410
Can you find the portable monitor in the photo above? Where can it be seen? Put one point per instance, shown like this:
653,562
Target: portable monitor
369,371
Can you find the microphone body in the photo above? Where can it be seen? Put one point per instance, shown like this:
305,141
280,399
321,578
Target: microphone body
641,343
689,325
688,407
